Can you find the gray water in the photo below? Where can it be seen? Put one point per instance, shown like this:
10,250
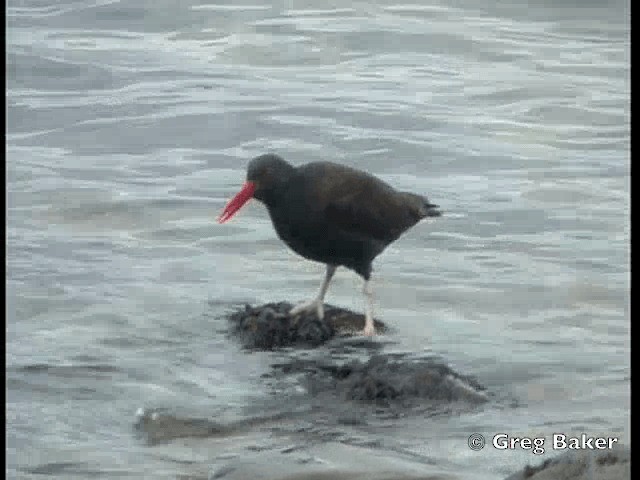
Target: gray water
130,124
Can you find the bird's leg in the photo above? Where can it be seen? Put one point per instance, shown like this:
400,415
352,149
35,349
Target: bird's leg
369,328
317,304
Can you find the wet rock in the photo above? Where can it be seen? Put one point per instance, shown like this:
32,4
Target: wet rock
269,326
614,464
353,380
157,426
388,380
160,427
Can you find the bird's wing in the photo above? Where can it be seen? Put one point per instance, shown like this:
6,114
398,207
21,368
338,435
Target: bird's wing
370,210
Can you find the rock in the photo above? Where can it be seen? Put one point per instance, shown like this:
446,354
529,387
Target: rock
614,464
157,426
389,380
269,326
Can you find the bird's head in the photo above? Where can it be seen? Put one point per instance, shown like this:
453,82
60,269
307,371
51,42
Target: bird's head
266,175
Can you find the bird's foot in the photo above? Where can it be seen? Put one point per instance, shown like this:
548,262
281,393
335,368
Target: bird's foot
312,306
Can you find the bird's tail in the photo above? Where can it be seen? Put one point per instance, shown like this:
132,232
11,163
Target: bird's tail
431,209
420,206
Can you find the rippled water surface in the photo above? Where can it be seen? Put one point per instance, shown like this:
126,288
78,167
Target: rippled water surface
131,122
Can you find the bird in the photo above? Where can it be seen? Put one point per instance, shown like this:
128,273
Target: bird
332,214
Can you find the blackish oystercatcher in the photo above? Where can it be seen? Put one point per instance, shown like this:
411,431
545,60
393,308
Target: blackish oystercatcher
332,214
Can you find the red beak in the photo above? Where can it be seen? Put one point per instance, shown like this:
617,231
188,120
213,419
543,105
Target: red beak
236,203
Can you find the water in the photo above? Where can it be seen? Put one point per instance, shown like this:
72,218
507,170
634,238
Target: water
131,123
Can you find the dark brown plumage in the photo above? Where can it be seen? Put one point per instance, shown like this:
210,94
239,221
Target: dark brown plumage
331,213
